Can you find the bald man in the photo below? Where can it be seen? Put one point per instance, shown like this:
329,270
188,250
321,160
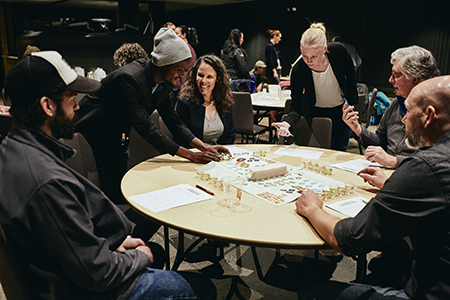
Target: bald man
413,202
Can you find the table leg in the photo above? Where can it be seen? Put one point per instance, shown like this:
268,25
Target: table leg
257,264
167,246
181,253
361,266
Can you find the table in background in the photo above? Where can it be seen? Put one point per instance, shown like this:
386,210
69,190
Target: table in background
262,105
266,225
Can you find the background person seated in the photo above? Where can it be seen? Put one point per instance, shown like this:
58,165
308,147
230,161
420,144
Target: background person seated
257,74
206,102
410,66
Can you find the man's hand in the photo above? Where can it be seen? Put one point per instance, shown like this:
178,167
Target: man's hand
138,244
308,202
350,117
310,205
373,176
378,155
283,128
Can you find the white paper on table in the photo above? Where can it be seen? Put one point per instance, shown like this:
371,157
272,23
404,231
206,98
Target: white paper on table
233,150
299,153
239,151
350,207
356,165
174,196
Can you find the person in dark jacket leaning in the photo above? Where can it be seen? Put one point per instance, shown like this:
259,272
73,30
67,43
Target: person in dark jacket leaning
206,102
235,59
70,240
320,83
126,99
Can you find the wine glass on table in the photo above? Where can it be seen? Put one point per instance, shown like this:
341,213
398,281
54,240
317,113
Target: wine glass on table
232,191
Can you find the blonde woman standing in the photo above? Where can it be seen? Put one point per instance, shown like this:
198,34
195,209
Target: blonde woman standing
320,83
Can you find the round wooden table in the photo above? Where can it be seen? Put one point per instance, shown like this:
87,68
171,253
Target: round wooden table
266,225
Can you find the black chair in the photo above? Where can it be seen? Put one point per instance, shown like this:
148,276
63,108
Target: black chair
369,112
316,135
84,161
5,125
11,276
140,149
81,28
287,106
243,118
363,100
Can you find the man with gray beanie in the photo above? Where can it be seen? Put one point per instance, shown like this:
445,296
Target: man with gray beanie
126,99
70,240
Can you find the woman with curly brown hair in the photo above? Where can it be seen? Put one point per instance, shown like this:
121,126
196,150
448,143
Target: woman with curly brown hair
127,53
206,102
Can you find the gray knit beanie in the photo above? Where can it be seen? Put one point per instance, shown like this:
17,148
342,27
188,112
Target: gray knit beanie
168,48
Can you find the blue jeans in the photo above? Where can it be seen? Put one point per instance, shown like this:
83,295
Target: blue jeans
319,290
164,284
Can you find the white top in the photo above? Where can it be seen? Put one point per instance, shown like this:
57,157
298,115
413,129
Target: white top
328,92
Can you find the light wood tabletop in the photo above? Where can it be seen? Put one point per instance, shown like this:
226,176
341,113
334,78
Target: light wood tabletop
265,225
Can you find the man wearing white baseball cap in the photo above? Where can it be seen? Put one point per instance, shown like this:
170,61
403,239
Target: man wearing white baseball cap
257,73
127,98
69,238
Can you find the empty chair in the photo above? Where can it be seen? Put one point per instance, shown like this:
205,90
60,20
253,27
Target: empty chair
5,125
321,129
316,135
243,117
369,112
363,100
84,161
81,28
140,149
287,106
11,276
370,108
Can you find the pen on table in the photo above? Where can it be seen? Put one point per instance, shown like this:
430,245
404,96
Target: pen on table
380,166
290,134
205,190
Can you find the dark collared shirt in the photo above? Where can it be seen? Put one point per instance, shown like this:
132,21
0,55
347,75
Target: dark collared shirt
414,202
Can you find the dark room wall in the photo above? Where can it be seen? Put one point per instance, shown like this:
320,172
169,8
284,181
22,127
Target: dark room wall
374,28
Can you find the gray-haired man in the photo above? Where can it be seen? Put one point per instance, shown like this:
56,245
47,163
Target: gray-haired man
410,66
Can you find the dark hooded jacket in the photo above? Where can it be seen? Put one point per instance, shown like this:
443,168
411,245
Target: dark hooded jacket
235,61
